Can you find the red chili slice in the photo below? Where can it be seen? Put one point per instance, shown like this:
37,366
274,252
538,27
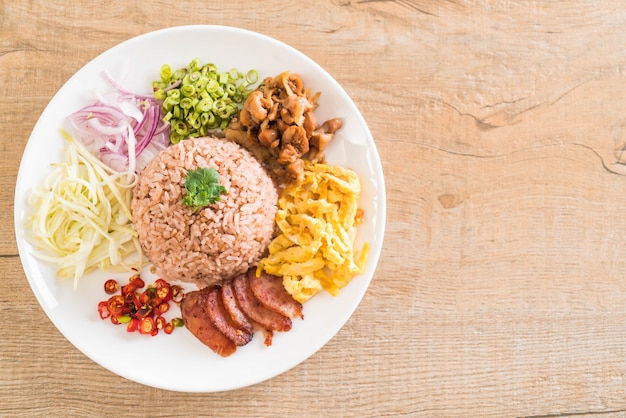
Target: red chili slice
147,325
161,283
129,289
111,286
137,281
146,296
168,328
164,293
103,309
161,308
116,305
177,293
144,310
132,303
160,322
132,325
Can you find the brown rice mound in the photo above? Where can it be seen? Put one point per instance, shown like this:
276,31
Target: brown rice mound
217,241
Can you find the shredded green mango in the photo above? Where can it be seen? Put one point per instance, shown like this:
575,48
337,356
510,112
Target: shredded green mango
82,219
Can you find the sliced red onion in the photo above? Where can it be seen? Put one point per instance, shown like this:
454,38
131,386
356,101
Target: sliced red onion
123,130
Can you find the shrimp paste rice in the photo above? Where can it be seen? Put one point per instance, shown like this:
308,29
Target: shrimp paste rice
217,241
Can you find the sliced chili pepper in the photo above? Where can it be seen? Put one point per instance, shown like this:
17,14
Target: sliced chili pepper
132,325
116,305
161,308
164,293
145,297
128,289
137,281
111,286
144,311
177,293
132,303
168,328
103,309
147,325
160,283
160,322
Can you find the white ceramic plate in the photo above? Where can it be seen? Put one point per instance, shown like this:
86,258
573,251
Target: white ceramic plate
179,361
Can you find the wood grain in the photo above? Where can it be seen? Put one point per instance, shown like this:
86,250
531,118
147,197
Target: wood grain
501,128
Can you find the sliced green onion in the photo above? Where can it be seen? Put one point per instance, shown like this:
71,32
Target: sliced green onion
234,74
223,114
201,97
166,72
194,121
175,138
179,74
168,104
230,89
186,103
204,105
181,128
188,90
212,85
201,83
195,64
159,94
252,77
210,120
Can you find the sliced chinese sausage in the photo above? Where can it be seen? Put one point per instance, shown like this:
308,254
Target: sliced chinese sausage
193,311
221,318
269,290
230,303
250,305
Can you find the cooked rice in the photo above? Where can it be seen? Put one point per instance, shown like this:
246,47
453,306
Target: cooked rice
217,241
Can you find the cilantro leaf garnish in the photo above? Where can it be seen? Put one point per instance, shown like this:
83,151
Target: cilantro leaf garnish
203,188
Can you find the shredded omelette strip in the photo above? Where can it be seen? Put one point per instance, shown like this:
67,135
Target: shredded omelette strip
82,219
317,219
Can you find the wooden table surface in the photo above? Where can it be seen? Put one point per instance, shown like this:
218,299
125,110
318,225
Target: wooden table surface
501,288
